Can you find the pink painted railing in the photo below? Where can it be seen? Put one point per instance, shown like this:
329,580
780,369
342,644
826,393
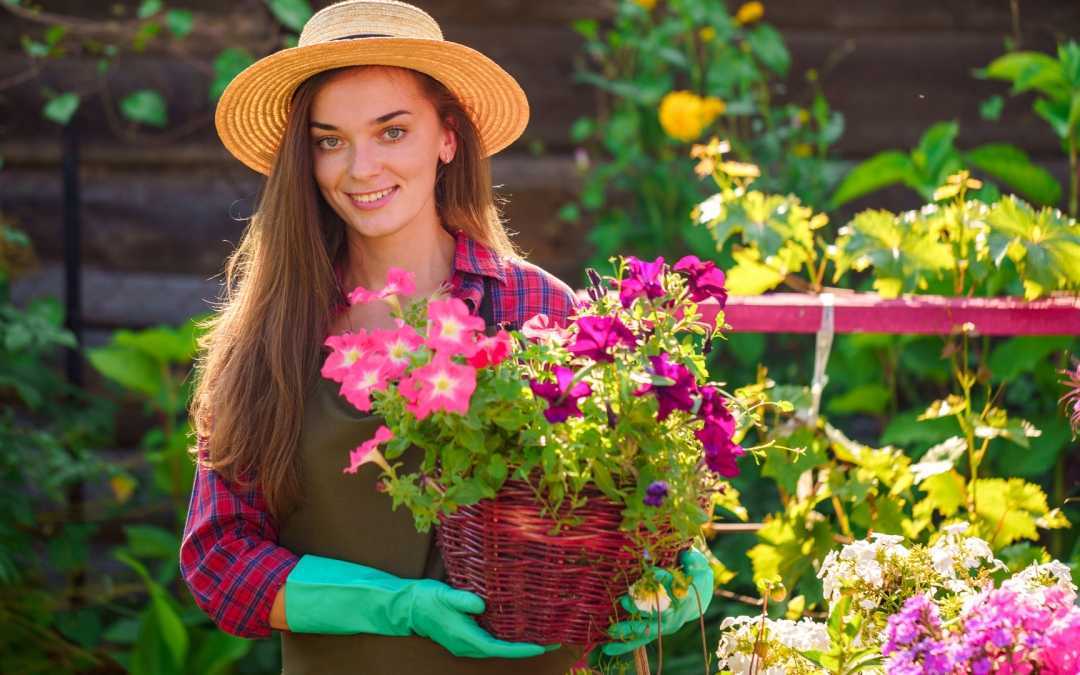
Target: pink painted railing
918,314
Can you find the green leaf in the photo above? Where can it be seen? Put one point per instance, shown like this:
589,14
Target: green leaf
906,429
1045,245
586,28
1007,509
935,148
881,170
786,466
82,626
228,65
867,398
61,108
945,492
291,13
149,541
145,106
1042,452
1012,166
163,642
1057,114
175,346
148,8
582,129
217,652
1020,355
1029,70
751,277
991,108
904,252
180,22
768,46
129,367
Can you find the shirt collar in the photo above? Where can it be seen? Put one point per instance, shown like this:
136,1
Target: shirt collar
472,257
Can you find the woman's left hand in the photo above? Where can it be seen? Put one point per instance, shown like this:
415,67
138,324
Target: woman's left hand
687,603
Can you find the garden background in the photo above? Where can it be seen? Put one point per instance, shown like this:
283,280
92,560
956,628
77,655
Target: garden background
96,483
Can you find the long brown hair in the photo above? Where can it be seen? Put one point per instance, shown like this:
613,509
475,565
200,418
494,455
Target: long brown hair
260,351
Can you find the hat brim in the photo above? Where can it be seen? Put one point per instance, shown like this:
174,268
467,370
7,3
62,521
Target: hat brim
252,112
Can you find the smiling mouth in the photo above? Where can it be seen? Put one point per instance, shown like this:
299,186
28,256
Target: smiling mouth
371,197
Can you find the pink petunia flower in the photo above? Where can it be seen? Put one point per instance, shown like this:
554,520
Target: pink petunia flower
347,349
599,335
491,351
706,279
542,328
368,451
397,347
398,282
367,375
439,386
451,328
562,395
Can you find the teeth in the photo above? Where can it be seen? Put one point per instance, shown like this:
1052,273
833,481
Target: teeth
371,196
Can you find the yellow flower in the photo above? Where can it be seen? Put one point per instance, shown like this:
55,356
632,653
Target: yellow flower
749,13
707,34
802,150
647,5
684,114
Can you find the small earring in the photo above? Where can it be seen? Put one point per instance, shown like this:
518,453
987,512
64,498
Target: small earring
445,160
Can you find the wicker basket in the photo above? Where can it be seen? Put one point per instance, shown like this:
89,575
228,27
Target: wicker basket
539,587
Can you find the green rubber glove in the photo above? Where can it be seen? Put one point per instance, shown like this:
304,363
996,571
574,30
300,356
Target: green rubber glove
336,597
636,632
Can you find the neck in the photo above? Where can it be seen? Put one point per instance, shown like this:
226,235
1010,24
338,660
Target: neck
427,252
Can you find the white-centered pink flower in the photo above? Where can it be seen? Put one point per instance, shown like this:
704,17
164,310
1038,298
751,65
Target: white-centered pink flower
398,282
451,328
397,347
542,328
347,350
439,386
491,351
367,375
368,451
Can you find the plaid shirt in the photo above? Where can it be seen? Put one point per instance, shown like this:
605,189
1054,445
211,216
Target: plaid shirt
229,556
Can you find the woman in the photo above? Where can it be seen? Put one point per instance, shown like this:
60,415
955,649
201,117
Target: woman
374,134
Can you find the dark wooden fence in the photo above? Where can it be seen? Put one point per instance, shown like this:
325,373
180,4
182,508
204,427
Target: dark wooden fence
160,210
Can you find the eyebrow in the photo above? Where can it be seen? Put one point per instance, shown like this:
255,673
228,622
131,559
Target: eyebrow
378,120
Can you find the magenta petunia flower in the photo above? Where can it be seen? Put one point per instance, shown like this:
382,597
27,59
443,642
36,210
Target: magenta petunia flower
347,349
562,398
643,278
451,328
368,451
491,351
598,335
706,279
397,347
439,386
679,395
398,282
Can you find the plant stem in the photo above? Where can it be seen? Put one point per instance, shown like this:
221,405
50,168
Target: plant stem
1074,176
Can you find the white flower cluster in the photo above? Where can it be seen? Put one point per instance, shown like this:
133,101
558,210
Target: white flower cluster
870,570
1035,578
778,651
862,564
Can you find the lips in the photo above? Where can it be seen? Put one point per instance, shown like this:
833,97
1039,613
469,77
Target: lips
374,199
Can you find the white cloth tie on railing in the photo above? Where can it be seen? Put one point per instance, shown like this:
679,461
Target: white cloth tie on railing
822,348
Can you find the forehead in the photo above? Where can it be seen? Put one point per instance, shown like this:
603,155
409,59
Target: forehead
368,92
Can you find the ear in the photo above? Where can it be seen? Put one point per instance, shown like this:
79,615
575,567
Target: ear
447,142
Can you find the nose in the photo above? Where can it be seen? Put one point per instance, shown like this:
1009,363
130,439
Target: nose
365,163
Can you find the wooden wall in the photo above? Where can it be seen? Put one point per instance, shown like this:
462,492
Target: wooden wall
160,210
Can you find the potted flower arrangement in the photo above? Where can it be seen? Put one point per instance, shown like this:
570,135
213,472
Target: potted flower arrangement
558,462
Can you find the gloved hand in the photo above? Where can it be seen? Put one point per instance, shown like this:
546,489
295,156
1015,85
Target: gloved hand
323,595
641,629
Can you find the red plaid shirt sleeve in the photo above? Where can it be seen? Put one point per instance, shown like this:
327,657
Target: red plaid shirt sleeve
229,555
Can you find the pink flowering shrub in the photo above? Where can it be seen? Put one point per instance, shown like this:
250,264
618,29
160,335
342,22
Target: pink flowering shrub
617,399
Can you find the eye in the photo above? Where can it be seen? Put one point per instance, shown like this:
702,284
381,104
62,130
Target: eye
394,134
328,142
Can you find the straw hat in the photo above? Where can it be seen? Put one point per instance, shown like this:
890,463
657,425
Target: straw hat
252,113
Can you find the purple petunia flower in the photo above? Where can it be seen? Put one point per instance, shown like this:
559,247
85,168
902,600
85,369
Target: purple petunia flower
643,279
656,493
675,396
706,279
598,335
561,397
716,436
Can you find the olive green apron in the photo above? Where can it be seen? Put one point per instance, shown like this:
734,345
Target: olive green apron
343,516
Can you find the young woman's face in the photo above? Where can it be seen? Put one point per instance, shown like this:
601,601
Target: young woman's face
376,142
